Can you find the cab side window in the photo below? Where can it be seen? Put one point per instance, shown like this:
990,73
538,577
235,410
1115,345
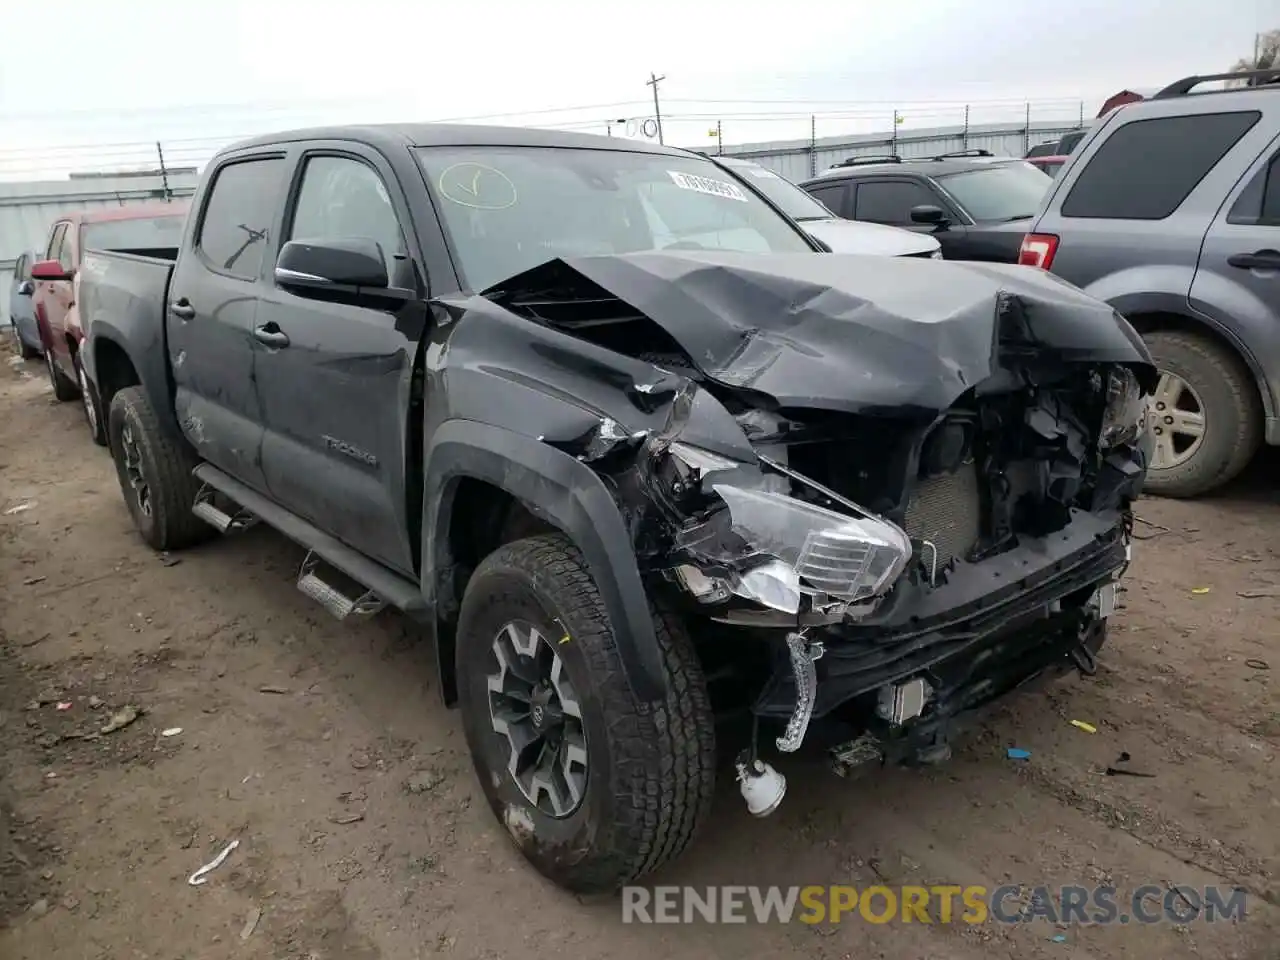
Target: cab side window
344,199
237,216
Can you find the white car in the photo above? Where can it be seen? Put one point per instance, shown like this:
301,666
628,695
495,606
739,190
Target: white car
839,235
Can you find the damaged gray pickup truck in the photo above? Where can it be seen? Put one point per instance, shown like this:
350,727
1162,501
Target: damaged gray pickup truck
649,467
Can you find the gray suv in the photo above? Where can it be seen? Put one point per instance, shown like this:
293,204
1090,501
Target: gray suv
1170,212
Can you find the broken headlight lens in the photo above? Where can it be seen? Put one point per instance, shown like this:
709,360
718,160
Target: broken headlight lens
850,558
1125,415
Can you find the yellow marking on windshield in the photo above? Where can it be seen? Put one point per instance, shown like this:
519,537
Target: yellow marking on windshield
483,187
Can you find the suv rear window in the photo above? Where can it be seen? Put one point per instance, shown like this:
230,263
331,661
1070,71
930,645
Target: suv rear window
1147,168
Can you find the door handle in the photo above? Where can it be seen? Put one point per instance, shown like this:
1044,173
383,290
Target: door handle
1258,260
182,309
271,335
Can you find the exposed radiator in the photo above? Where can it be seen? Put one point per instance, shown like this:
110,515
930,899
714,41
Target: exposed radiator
947,511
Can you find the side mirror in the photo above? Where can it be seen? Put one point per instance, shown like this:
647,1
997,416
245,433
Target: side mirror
928,213
26,288
50,270
324,265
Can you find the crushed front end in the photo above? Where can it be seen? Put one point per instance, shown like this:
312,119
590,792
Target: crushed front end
914,572
887,503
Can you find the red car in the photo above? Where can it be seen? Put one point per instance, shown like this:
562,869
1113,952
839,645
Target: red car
140,229
1050,165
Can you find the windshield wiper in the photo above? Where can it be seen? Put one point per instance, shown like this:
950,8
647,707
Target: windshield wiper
1021,216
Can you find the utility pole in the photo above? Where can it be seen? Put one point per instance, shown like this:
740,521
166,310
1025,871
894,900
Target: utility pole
1026,130
813,145
964,137
719,138
164,173
653,81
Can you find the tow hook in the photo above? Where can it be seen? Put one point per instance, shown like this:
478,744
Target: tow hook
803,655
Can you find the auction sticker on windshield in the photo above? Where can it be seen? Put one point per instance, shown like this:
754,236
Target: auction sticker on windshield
716,188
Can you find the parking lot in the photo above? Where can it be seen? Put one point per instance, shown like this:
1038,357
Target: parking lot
324,750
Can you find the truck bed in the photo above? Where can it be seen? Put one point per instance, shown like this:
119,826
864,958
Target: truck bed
124,289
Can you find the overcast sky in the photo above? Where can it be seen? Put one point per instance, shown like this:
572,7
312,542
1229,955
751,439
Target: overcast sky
125,73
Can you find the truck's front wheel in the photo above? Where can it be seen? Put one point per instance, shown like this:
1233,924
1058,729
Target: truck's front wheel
154,472
595,787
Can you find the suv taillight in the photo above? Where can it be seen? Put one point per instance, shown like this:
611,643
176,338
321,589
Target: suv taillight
1037,250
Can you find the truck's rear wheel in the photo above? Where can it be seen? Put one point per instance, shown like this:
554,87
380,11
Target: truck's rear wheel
1205,415
155,474
595,788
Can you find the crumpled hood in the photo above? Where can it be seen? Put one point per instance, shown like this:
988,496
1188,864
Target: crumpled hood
854,333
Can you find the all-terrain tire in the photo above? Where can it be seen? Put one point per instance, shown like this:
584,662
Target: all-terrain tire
64,389
163,516
650,767
1231,407
91,404
27,351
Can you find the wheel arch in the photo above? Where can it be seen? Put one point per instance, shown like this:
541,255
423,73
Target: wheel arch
1151,317
501,485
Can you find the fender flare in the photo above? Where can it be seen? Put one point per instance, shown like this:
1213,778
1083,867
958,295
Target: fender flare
150,363
562,491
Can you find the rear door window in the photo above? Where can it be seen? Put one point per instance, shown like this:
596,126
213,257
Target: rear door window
22,269
1146,168
831,196
890,201
237,216
1259,202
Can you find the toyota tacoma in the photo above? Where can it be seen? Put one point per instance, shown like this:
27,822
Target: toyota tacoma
636,454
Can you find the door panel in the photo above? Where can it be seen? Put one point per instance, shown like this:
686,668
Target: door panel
53,298
336,399
213,303
1237,279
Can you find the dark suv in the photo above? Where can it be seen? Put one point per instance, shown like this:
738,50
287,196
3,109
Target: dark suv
1170,211
975,204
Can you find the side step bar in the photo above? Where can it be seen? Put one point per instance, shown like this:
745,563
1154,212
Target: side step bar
382,586
219,520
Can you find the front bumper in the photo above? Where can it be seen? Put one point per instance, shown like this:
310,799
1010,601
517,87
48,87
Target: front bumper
992,626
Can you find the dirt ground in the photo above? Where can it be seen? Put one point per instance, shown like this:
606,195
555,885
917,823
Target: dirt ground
324,751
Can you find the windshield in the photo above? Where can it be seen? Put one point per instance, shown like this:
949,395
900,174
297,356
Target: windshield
789,198
1010,191
152,233
508,209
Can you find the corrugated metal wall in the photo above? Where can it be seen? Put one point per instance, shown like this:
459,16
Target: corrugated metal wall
800,159
28,209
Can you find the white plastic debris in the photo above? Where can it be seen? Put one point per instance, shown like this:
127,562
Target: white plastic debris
171,732
199,877
20,508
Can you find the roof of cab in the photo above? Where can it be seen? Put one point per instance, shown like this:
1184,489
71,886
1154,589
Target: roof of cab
396,135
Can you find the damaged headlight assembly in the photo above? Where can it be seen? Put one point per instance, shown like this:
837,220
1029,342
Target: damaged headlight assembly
789,547
1124,418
